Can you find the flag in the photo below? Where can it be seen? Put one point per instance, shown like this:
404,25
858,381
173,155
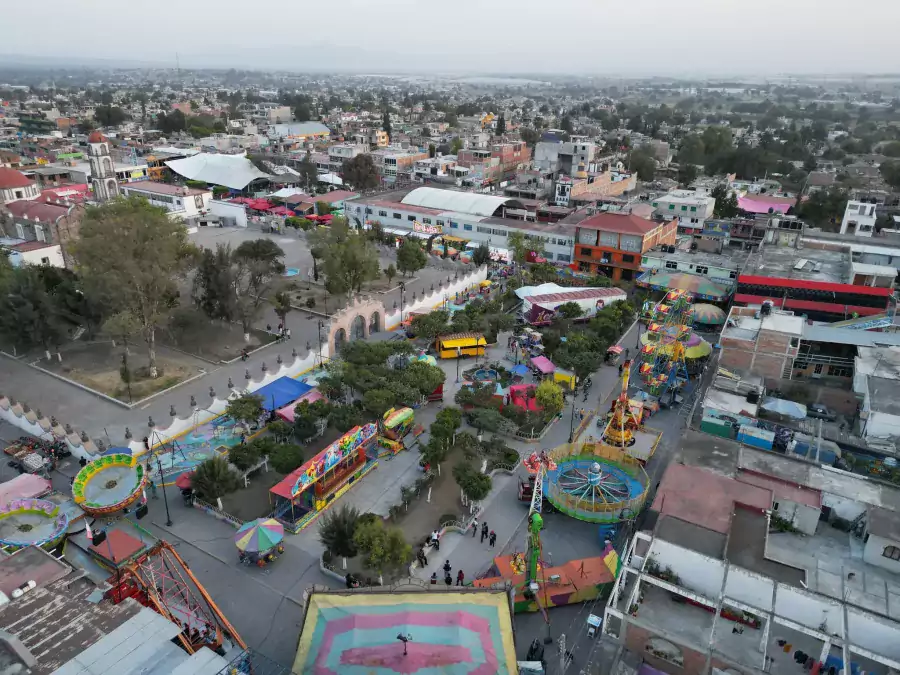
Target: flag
87,531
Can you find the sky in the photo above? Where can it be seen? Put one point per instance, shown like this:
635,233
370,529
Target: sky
635,37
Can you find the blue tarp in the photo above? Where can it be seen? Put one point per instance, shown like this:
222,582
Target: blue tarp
519,370
282,391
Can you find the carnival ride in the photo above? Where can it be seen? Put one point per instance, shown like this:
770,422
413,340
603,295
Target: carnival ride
162,581
624,425
259,541
31,522
662,367
109,484
393,427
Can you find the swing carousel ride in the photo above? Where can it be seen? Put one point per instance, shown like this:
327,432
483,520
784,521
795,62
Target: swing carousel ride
662,367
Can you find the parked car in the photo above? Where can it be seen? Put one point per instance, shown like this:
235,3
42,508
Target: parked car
820,412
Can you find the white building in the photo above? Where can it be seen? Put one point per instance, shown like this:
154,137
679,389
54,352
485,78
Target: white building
690,207
859,219
21,252
15,185
182,202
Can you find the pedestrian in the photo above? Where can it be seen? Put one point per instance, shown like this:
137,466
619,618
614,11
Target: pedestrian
460,578
268,328
280,327
434,578
422,558
447,567
484,531
620,369
436,540
146,444
474,527
448,580
153,490
287,333
492,538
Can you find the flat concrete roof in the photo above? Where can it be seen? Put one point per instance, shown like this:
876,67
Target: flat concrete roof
884,394
689,535
783,262
783,489
883,523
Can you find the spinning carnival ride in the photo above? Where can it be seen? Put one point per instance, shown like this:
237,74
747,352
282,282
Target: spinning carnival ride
662,360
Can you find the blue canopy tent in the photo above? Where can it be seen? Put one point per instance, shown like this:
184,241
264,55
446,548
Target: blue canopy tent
282,391
520,370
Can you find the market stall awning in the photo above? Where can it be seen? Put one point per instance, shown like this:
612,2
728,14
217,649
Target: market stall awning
287,412
543,364
697,286
282,391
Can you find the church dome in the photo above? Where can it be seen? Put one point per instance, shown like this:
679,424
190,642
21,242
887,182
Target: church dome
96,137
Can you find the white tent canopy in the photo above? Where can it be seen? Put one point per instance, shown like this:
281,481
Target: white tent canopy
232,171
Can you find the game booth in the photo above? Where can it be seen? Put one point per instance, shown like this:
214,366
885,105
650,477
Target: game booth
307,491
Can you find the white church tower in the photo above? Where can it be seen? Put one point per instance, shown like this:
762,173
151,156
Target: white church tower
103,171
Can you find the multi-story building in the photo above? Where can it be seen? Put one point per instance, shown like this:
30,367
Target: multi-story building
341,152
440,169
613,243
286,137
692,209
279,115
490,166
15,185
36,125
859,219
463,217
396,163
184,203
372,138
55,222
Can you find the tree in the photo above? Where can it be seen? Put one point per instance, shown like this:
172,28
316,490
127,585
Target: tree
350,262
549,396
486,419
134,254
213,479
390,272
286,457
451,119
301,113
385,548
280,430
518,244
309,174
410,257
337,529
281,303
810,164
245,456
213,285
430,325
386,123
726,202
345,417
481,255
569,310
890,172
687,174
475,485
109,116
360,172
28,315
378,401
456,145
642,163
245,409
825,207
256,266
501,126
891,149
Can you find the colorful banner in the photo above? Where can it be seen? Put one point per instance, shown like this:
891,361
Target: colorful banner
331,456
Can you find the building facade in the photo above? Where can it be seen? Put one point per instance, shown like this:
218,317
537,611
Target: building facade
859,219
614,243
692,209
14,185
181,202
103,171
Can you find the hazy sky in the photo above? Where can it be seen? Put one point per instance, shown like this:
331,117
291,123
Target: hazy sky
552,36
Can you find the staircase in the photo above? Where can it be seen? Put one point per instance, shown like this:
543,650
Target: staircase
78,333
787,371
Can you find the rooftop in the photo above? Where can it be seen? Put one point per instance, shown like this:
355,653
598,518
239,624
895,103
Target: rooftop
34,210
619,222
884,394
164,188
742,324
883,523
803,264
10,178
462,202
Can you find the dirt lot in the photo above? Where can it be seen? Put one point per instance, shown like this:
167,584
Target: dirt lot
215,341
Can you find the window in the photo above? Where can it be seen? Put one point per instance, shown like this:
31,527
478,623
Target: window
383,214
39,233
440,223
45,261
628,258
684,208
732,274
411,218
818,369
453,225
655,204
837,371
467,228
563,257
891,552
427,221
671,207
693,208
483,230
695,220
671,265
398,216
702,270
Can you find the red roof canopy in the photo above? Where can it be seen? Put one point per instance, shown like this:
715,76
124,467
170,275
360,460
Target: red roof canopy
10,178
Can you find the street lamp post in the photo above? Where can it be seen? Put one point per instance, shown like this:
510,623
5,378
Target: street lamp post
163,488
402,292
458,357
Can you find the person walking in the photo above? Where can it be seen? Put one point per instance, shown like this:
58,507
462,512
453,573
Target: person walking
474,527
448,580
460,578
447,567
492,538
153,490
423,559
484,531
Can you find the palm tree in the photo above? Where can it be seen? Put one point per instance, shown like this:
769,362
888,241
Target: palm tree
336,531
213,479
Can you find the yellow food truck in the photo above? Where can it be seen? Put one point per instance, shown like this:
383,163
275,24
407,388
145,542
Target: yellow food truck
460,344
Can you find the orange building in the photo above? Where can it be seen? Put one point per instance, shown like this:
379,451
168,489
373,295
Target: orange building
613,243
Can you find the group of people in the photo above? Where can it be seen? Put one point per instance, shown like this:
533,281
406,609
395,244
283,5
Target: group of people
491,536
435,542
448,578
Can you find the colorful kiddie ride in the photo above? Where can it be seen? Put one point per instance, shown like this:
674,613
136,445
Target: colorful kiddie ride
109,484
31,522
259,541
394,426
662,368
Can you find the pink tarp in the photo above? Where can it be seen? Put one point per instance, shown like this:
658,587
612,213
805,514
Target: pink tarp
287,412
522,395
543,364
24,486
763,205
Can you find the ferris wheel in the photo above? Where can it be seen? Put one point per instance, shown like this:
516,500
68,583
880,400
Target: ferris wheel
662,366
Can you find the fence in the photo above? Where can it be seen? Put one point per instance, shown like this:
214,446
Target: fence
216,512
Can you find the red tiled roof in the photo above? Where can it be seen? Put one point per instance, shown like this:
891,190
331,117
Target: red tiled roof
36,210
96,137
10,178
26,246
619,222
